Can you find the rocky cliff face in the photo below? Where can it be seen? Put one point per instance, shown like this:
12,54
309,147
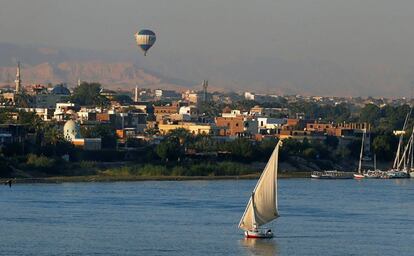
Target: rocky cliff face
124,75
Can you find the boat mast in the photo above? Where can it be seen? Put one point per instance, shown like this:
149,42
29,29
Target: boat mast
362,152
254,212
400,142
375,162
403,160
412,150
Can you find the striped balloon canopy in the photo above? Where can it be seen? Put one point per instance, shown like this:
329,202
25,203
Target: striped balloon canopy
145,39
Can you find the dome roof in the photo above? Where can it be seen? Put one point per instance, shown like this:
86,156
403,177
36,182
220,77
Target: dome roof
60,89
69,125
71,130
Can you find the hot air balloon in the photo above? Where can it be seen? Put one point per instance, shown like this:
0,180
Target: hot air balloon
145,39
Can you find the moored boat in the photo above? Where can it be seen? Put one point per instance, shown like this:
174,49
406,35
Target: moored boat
359,175
375,174
404,155
333,174
397,174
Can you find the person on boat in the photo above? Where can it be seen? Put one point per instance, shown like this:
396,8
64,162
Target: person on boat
255,229
9,182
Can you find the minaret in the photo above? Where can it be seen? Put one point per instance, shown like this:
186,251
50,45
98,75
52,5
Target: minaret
136,94
79,82
18,80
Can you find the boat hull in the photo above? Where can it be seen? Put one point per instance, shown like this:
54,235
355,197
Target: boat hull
358,176
375,175
259,234
412,174
397,174
331,175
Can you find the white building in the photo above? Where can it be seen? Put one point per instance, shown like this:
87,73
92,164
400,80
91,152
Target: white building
63,110
270,125
87,114
191,111
166,94
71,132
234,113
191,96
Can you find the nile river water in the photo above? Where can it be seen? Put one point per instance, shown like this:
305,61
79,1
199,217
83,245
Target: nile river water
318,217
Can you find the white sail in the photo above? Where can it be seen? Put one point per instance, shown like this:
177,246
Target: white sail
262,206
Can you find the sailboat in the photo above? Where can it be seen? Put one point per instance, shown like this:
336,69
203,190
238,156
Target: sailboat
359,174
396,171
403,166
376,173
410,156
262,206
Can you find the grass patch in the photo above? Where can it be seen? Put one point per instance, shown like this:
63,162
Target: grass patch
200,169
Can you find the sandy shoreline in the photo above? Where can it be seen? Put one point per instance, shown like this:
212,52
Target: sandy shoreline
104,178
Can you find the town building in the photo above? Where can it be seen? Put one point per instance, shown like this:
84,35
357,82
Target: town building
65,111
164,112
193,128
268,125
71,132
166,95
44,99
192,97
238,126
12,133
269,112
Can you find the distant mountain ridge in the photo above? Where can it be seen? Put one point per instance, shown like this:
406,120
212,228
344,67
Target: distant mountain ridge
48,65
270,74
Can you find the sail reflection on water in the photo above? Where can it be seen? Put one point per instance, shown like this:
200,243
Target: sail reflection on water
262,247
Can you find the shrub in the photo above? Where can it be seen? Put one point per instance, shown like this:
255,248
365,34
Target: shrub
40,162
178,171
153,170
87,164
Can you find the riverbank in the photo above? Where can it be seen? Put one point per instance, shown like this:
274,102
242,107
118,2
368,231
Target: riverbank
112,178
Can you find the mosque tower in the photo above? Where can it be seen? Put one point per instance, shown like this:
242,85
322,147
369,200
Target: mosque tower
136,94
18,80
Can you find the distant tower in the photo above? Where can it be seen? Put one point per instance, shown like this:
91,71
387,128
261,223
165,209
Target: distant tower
205,85
18,80
136,94
79,82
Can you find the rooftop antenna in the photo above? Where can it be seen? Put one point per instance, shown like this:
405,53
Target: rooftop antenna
205,86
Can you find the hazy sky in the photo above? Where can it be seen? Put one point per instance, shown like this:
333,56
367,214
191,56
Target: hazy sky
313,46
